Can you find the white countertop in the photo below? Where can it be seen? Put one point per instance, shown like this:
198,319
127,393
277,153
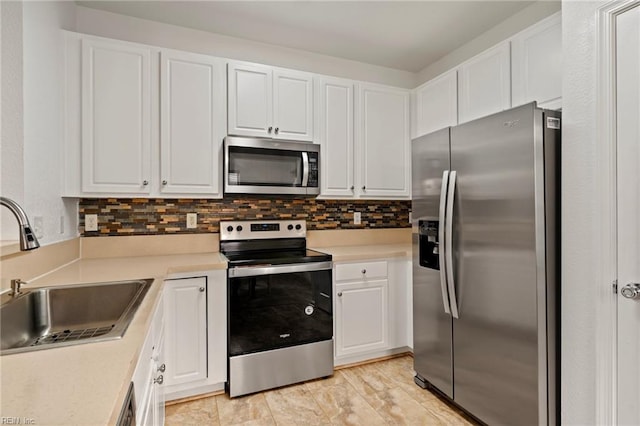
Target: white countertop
86,384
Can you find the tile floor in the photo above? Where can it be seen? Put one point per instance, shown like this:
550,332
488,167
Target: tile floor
380,393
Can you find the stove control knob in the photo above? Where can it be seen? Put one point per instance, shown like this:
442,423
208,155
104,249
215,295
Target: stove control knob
298,227
290,227
229,228
239,228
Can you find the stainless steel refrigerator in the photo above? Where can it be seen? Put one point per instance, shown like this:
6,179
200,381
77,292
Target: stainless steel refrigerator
485,265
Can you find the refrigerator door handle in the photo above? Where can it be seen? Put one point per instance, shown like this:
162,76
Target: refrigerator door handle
449,244
441,240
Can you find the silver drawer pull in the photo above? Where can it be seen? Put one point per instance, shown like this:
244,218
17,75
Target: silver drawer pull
162,368
339,294
159,380
201,289
364,271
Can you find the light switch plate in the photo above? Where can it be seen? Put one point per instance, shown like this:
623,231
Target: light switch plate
192,220
356,218
90,222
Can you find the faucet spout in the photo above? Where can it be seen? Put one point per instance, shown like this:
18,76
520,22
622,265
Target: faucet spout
28,240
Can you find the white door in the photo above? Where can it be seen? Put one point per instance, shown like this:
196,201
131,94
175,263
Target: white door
362,317
193,99
335,134
484,84
536,60
116,117
628,147
250,90
185,330
384,142
437,103
292,105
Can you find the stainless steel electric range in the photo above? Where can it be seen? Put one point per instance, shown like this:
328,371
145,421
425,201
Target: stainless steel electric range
280,322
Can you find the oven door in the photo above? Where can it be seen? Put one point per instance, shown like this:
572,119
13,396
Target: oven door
256,166
273,307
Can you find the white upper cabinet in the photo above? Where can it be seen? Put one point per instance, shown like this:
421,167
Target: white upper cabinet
484,83
193,120
292,105
537,64
384,142
436,103
336,136
116,117
270,102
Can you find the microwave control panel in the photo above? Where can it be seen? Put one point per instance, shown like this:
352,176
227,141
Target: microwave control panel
313,170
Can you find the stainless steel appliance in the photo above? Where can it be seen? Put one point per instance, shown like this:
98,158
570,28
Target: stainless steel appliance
280,306
266,166
485,265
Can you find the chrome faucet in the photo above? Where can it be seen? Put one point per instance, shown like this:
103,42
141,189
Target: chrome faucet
28,240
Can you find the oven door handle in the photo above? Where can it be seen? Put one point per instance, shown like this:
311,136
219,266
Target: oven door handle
252,271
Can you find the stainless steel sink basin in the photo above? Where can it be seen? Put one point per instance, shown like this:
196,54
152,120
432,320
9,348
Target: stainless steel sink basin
49,317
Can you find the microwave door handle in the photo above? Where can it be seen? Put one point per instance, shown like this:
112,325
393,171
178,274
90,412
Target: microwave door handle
305,169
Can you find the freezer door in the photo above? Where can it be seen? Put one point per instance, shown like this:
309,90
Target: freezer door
432,326
494,246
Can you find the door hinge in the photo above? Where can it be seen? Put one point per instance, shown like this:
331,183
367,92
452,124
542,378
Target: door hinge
614,284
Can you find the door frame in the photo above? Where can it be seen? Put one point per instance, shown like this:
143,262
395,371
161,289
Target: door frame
605,240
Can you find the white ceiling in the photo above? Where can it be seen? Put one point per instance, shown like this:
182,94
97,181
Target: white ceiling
396,34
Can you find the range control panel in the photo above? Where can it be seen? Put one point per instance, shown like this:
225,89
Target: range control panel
263,229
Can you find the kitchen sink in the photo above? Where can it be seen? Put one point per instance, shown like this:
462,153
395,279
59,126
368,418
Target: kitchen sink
50,317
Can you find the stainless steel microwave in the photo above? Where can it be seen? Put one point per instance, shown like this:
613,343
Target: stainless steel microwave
267,166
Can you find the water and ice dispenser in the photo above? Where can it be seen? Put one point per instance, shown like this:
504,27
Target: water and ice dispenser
429,244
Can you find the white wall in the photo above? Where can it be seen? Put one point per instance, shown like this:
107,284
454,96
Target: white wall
580,287
43,56
11,128
107,24
507,28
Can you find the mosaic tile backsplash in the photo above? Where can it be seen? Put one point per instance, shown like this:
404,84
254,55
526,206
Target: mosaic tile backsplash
142,216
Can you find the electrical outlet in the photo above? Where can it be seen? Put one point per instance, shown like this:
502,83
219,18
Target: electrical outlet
356,218
192,220
90,222
38,227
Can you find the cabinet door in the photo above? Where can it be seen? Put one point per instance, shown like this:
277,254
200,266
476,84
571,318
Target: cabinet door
185,330
116,121
537,64
292,105
193,123
384,142
335,134
158,391
484,84
250,90
361,317
437,103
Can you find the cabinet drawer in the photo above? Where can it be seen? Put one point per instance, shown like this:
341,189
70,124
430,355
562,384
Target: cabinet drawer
360,271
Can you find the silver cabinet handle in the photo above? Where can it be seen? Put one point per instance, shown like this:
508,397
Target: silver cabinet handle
339,294
364,188
276,130
631,291
269,129
364,271
159,380
162,368
164,182
449,245
201,289
145,182
441,241
352,187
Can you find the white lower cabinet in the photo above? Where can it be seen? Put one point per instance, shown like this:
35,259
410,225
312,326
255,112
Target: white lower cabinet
186,306
148,376
370,309
195,333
